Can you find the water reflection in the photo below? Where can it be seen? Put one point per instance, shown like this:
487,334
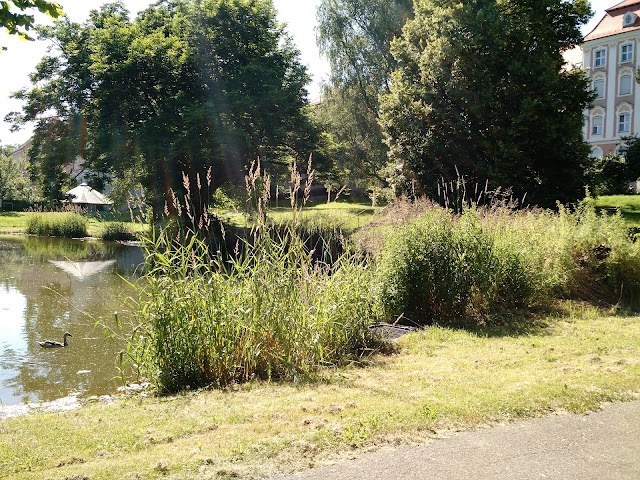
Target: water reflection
47,287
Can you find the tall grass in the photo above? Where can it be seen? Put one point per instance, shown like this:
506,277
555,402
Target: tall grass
269,313
574,253
70,225
441,268
273,308
486,262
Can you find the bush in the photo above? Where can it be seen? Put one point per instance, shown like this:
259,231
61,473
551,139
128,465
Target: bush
270,313
441,269
69,225
117,231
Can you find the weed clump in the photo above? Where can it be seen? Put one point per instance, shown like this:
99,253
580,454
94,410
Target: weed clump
441,268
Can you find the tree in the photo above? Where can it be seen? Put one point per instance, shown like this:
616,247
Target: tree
356,35
481,90
613,173
194,87
9,176
15,21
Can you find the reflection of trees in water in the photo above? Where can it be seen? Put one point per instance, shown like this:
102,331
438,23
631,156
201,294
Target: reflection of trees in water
56,302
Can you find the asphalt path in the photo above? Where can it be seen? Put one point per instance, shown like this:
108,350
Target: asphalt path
604,445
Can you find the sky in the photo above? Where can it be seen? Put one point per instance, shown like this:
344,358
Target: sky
21,56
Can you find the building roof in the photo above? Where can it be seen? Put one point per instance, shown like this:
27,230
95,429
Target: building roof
84,194
624,4
611,23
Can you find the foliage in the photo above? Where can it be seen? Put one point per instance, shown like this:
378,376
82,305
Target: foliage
268,313
117,231
69,225
611,174
191,86
9,175
608,175
20,22
440,267
355,35
630,150
351,139
577,253
14,182
480,86
439,270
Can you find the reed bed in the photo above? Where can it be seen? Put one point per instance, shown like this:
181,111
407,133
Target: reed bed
270,313
67,224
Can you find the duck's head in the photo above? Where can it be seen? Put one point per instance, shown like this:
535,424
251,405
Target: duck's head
67,334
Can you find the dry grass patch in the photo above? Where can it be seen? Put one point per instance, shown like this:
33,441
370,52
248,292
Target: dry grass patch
441,379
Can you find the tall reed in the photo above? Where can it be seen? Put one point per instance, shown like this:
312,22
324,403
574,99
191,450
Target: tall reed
269,313
70,225
271,308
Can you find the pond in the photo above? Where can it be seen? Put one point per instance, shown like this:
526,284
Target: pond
50,286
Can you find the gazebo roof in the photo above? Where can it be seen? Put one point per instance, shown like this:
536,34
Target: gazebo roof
84,194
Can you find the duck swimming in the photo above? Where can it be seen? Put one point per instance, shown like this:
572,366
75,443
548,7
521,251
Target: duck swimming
52,344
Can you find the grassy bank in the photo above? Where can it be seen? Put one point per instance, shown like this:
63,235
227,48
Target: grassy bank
17,222
440,379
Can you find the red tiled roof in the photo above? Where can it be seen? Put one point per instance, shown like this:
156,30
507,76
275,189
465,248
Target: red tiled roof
624,4
611,23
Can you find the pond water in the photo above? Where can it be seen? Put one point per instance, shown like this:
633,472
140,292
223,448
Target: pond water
50,286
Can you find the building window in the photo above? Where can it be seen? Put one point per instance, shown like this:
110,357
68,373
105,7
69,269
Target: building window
629,19
598,87
626,53
601,58
626,82
596,125
624,122
596,152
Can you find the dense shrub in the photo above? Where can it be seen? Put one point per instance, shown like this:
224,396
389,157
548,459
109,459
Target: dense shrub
270,313
117,231
440,269
70,225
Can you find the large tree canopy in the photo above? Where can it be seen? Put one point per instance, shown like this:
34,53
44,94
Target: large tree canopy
356,36
189,86
14,16
481,87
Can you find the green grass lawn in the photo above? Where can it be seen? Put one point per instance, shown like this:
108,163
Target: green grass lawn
629,206
16,222
439,379
348,216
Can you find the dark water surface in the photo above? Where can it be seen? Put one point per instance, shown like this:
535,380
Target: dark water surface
51,286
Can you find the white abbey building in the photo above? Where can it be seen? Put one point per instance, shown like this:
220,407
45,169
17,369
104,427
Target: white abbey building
610,56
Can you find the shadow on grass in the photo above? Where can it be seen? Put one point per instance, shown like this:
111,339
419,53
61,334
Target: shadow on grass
9,214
